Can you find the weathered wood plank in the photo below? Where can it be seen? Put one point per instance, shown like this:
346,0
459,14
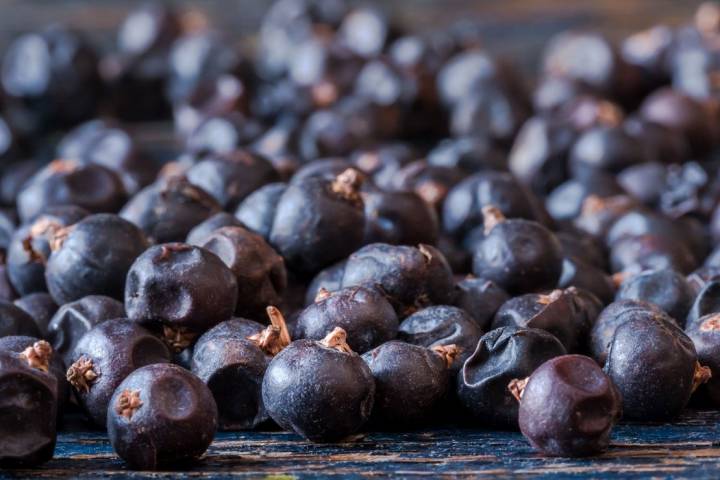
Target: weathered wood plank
689,447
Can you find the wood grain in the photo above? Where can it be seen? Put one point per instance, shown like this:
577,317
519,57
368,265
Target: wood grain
689,447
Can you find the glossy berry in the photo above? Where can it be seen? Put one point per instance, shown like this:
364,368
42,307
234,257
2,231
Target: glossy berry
644,353
399,218
92,257
231,358
168,209
104,357
184,289
518,255
568,407
442,325
29,247
161,415
41,307
28,419
75,319
410,277
502,355
329,278
580,274
364,313
68,182
259,270
322,390
319,222
480,298
410,380
665,288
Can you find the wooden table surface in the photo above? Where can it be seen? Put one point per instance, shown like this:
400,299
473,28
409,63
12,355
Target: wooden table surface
688,447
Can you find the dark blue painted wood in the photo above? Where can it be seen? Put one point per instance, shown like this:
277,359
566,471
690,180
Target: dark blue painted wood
689,447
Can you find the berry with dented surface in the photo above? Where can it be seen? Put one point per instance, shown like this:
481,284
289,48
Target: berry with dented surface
41,307
259,270
364,313
161,415
68,182
183,288
410,277
480,298
502,355
442,325
28,411
168,209
706,301
518,255
705,335
231,358
568,407
14,321
92,257
321,390
75,319
104,357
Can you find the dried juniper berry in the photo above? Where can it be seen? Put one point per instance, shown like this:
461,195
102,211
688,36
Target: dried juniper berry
231,177
204,229
28,410
410,381
464,206
501,356
257,211
644,353
560,312
665,288
92,257
231,358
75,319
168,209
161,415
183,289
364,313
614,315
259,270
480,298
651,252
68,182
41,307
29,247
410,277
518,255
598,214
705,335
565,202
102,359
706,302
604,149
442,325
399,218
319,222
40,354
577,273
329,279
321,390
14,321
568,407
431,182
